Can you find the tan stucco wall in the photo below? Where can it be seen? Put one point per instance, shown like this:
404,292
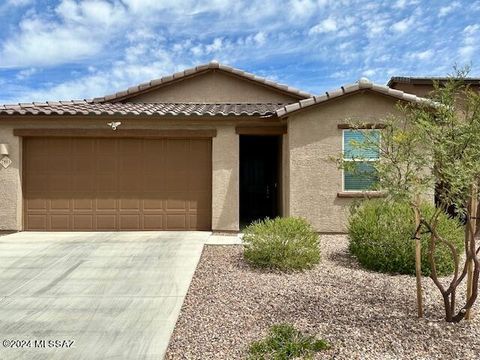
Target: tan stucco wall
285,176
214,87
10,183
225,180
313,138
225,202
419,89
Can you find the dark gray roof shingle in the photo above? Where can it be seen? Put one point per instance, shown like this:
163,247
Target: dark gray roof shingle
89,107
425,80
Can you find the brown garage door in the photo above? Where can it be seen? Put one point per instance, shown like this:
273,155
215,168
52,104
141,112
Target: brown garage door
83,184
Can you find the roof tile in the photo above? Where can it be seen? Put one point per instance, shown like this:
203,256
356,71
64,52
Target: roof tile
86,107
212,65
362,84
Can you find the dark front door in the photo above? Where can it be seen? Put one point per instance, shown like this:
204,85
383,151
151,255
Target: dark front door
259,169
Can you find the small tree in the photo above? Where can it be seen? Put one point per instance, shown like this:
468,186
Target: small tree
435,142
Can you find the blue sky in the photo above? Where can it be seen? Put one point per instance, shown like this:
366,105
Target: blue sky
60,50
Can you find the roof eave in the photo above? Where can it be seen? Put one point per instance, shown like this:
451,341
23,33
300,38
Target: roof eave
198,70
361,86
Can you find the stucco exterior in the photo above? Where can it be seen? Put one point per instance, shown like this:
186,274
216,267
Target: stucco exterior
225,198
10,180
225,180
313,139
214,87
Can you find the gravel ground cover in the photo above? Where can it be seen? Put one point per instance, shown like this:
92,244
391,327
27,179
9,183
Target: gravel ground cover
364,315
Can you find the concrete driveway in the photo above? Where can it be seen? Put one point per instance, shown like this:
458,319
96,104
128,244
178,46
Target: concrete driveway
115,295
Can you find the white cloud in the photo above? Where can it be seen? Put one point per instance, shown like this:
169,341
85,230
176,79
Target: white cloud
422,55
81,31
301,8
148,62
26,73
403,25
18,2
445,10
215,46
369,72
109,45
470,42
325,26
401,4
260,38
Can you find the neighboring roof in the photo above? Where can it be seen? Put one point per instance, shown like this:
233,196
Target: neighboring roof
88,107
151,85
362,84
425,80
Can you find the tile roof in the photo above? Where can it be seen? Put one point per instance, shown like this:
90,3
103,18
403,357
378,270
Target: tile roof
426,80
362,84
89,107
121,95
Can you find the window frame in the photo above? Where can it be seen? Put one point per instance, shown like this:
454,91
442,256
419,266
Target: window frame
365,160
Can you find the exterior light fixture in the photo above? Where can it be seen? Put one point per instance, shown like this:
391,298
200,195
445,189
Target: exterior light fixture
114,124
5,161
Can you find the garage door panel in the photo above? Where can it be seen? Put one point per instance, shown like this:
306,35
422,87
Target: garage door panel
59,222
106,222
59,183
129,222
153,222
176,222
88,184
83,147
36,163
176,182
153,204
105,204
127,147
106,146
106,183
82,222
153,182
200,222
130,182
130,204
86,203
176,202
60,203
200,200
106,164
36,222
37,183
84,182
197,183
59,163
84,164
37,204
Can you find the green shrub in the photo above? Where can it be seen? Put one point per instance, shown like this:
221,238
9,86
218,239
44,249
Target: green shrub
285,342
381,238
281,243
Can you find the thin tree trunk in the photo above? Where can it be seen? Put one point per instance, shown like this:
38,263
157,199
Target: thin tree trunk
470,230
418,258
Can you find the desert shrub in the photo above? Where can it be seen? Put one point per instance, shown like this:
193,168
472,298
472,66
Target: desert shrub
281,243
285,342
381,238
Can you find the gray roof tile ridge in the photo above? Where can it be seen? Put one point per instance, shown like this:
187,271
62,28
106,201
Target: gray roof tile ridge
362,84
197,69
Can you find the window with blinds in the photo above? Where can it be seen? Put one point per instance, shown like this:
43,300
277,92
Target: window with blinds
356,149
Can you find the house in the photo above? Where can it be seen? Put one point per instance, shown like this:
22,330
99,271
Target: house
208,148
422,86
